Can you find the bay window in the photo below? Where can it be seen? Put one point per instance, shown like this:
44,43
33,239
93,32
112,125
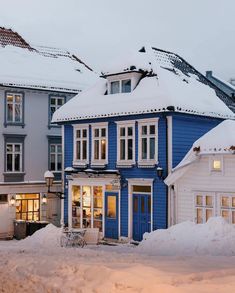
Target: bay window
100,144
147,141
125,142
81,144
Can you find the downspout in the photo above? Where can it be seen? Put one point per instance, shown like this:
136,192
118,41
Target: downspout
170,200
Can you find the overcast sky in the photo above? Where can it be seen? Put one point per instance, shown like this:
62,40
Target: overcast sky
201,31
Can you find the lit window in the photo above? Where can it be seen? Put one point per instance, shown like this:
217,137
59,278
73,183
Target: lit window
14,108
147,152
55,104
99,144
56,157
126,143
204,208
81,139
216,164
227,208
14,157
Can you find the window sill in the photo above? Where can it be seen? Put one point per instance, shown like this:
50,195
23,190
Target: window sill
125,164
53,126
78,164
147,164
21,124
98,164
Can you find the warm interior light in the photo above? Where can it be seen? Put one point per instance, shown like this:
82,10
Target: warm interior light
216,164
44,199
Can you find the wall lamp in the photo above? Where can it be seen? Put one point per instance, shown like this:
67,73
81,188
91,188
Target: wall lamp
12,201
160,173
49,178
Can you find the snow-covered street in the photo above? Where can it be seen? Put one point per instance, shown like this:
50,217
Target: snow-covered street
38,264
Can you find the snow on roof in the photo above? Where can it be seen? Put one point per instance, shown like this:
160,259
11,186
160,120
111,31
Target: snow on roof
219,140
166,81
40,67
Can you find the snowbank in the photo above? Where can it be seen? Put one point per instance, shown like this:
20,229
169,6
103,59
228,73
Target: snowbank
48,237
216,237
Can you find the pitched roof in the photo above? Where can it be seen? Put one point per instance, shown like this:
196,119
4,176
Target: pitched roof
168,83
219,140
27,66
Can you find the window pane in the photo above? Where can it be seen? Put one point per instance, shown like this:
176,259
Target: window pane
233,202
199,200
76,207
216,164
84,133
98,197
52,162
103,132
52,101
10,112
114,87
52,148
130,149
126,86
225,201
144,130
78,150
78,133
18,99
122,149
59,148
98,224
233,217
111,209
17,162
103,149
9,162
96,150
9,147
208,214
152,129
209,200
144,148
60,102
17,148
199,216
84,150
141,188
9,98
96,132
122,131
225,214
130,131
152,148
59,163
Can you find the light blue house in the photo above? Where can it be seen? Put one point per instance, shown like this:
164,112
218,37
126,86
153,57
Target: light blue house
124,135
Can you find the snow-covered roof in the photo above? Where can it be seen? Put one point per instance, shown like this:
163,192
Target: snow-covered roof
40,67
168,82
219,140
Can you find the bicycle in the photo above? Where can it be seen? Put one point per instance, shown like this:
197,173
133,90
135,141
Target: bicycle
72,238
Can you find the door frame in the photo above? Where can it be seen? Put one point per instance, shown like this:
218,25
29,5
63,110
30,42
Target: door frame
140,182
93,182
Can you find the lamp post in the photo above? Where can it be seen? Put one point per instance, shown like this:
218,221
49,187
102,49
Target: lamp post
49,178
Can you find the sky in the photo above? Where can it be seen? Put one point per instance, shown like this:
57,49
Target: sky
98,31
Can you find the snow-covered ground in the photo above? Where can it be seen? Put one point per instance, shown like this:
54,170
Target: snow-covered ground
38,264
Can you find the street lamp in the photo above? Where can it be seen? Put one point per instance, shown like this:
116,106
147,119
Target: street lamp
49,178
44,199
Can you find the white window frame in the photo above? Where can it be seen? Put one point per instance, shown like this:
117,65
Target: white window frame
147,122
56,106
80,127
120,85
13,154
56,153
204,207
14,103
99,162
126,124
211,164
230,208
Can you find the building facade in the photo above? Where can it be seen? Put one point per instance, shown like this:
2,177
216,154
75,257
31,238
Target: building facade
30,92
144,118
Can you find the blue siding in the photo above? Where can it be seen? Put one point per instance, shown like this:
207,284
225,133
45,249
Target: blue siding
186,130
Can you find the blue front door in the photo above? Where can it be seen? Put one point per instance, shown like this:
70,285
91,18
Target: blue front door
141,215
111,215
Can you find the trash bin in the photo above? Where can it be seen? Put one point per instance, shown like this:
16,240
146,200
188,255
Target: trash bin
32,226
19,229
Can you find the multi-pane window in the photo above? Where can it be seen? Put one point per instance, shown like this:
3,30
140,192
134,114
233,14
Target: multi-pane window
81,135
126,143
13,157
227,208
56,157
99,144
147,142
204,205
55,104
14,108
120,86
28,207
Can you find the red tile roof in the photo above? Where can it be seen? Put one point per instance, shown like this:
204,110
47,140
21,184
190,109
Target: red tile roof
8,37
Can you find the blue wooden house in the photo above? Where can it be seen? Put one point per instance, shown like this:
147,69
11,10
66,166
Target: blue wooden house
125,134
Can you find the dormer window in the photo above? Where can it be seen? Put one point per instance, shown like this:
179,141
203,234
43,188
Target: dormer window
120,86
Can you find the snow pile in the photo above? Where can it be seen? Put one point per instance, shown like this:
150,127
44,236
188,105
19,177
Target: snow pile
216,238
48,237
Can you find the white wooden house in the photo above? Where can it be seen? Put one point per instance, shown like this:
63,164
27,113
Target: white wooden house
202,185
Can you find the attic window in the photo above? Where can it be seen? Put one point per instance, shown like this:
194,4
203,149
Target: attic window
120,86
